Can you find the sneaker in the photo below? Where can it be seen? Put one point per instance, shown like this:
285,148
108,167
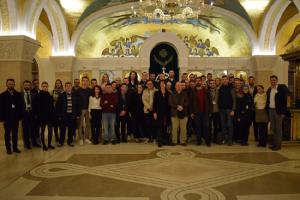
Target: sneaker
80,142
189,140
88,141
146,141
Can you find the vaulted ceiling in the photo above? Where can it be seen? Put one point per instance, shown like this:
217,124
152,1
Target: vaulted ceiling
265,21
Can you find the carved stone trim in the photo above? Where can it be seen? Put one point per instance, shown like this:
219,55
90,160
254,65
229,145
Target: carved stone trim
18,48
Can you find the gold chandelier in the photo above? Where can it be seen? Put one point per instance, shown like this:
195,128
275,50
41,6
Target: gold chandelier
172,10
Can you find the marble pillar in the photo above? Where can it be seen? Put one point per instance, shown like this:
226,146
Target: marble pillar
16,57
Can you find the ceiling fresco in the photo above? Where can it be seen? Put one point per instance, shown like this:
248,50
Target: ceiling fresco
77,10
120,36
289,40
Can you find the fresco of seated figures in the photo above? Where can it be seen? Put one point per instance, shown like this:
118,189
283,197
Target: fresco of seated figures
119,35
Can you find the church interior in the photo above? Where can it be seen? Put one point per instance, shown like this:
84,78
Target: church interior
72,39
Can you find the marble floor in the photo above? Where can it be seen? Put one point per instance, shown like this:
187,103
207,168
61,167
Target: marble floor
145,172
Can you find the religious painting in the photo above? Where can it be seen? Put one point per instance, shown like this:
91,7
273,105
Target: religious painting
85,73
242,75
126,74
110,74
196,73
220,73
119,35
289,38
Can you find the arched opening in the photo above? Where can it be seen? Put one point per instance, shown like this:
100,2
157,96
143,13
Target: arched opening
164,58
35,70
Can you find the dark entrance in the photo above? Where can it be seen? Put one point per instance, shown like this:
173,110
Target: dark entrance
164,55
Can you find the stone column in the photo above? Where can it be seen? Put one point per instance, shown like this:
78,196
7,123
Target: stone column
16,57
63,66
268,65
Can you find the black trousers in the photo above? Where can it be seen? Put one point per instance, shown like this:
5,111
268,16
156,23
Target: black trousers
50,132
138,125
244,130
57,129
191,126
237,130
202,128
262,128
11,133
36,131
150,127
121,128
96,125
28,129
68,122
214,126
163,137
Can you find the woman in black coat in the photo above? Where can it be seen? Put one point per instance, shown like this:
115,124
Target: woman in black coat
244,115
136,112
161,113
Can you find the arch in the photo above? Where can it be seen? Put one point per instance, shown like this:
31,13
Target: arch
170,58
170,39
113,9
13,15
57,20
267,32
4,13
297,3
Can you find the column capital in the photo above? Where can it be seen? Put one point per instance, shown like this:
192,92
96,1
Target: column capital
18,48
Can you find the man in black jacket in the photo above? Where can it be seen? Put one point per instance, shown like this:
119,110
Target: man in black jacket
28,117
43,108
122,114
35,93
68,110
227,105
277,107
11,114
201,112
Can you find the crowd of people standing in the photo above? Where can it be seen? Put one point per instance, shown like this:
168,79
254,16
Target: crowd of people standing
155,109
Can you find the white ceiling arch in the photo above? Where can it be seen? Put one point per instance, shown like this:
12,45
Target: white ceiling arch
61,38
8,17
297,3
267,34
238,20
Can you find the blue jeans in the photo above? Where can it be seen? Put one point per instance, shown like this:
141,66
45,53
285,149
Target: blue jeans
226,124
108,121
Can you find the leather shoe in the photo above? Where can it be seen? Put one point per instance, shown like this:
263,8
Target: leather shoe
17,151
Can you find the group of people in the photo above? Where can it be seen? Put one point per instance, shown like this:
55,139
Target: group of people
154,109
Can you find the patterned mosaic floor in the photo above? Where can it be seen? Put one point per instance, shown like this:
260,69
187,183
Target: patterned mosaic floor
144,172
